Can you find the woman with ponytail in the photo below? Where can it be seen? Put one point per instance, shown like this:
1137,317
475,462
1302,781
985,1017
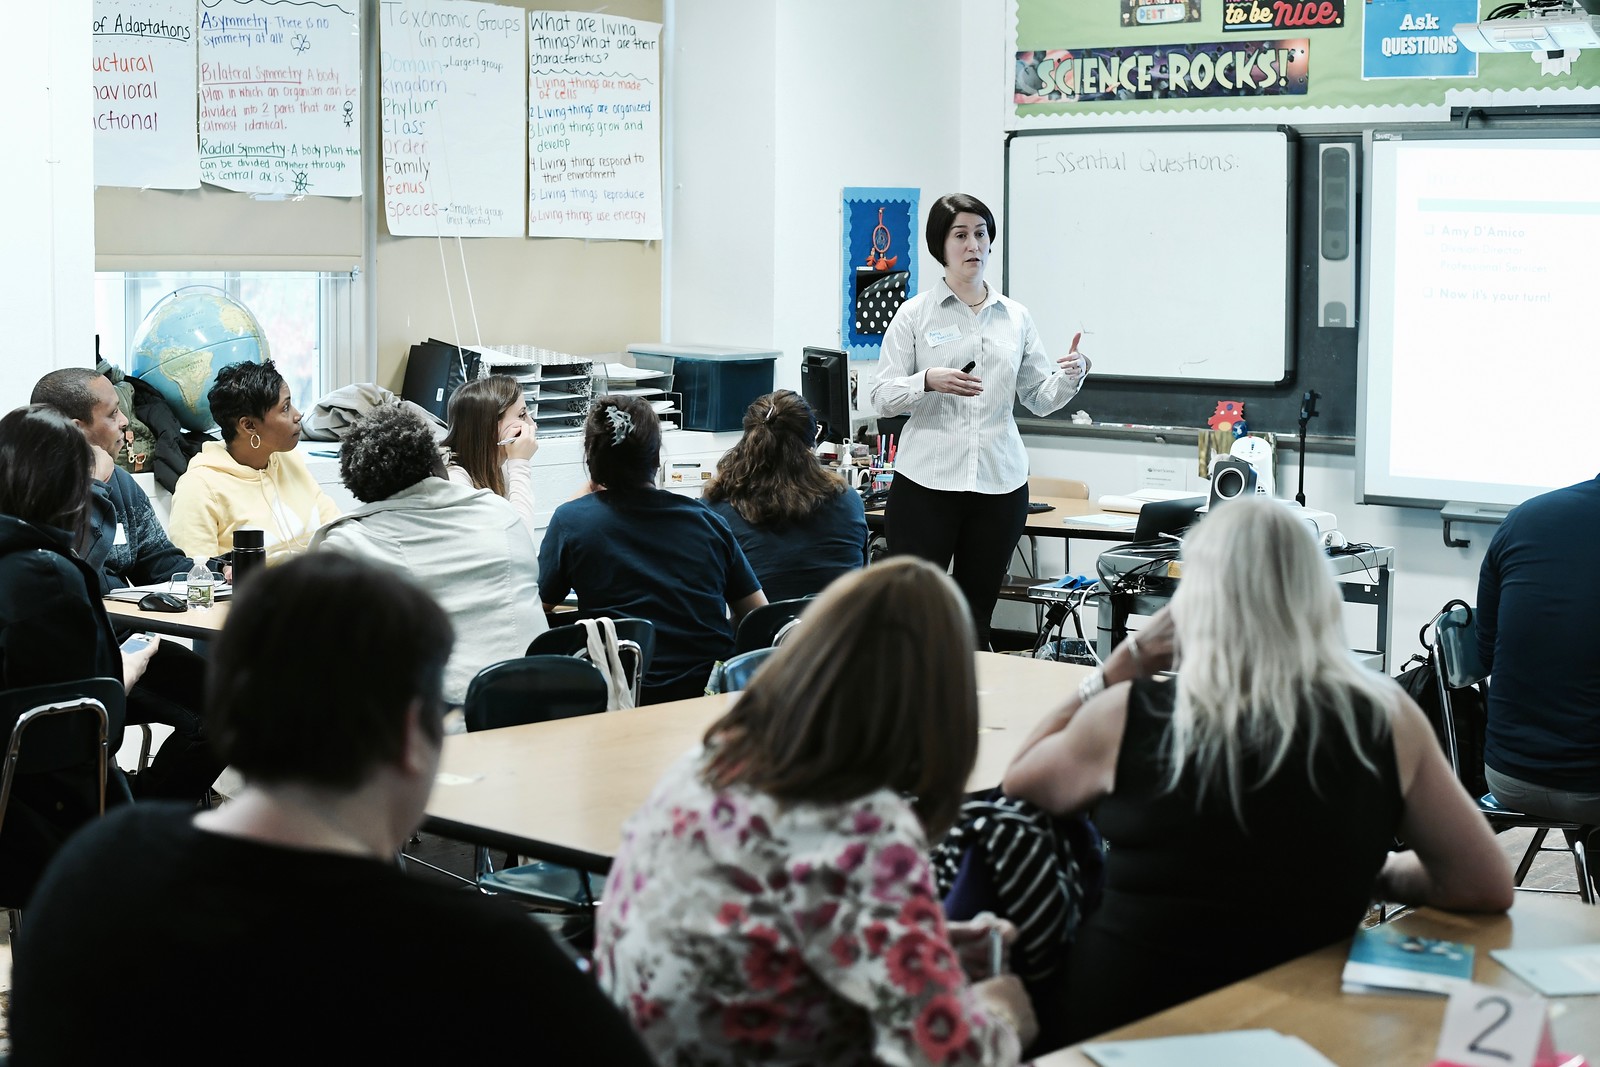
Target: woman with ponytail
800,526
631,549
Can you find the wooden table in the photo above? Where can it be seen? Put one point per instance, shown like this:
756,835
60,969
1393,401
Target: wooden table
561,790
1056,523
1302,998
202,625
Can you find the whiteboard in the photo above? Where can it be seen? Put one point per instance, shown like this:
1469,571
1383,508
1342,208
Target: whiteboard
1170,250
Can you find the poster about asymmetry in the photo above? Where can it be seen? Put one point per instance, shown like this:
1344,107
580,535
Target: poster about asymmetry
280,96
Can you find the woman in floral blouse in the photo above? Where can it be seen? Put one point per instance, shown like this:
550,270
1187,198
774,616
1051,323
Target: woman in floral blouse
772,901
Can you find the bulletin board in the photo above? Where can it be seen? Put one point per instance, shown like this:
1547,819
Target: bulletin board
1254,61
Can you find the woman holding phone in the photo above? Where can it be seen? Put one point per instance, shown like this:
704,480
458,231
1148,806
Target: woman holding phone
957,358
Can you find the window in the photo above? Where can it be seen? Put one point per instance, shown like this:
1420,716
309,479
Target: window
304,315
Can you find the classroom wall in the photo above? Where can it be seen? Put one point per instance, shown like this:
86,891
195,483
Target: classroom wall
828,94
583,297
1427,572
46,274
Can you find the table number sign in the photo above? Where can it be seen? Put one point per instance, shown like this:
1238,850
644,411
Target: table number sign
1489,1027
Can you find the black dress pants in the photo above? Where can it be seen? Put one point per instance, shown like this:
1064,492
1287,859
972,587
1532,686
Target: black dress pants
973,534
172,692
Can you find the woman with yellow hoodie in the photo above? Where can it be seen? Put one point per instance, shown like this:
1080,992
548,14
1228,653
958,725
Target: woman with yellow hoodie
253,477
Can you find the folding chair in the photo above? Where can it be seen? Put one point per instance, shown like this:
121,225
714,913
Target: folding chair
1455,642
54,780
734,674
636,643
760,628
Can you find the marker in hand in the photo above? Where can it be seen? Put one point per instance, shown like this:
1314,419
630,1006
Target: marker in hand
968,368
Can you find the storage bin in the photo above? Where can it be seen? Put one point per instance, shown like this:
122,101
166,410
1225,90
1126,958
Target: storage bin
716,382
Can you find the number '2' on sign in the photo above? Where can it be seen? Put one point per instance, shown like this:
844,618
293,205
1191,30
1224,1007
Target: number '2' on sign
1488,1027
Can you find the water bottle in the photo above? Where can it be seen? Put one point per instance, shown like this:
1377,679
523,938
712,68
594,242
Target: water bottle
200,585
249,553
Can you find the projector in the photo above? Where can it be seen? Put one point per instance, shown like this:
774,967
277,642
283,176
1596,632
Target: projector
1533,33
1322,523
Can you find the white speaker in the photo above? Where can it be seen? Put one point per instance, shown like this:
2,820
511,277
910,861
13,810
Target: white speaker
1231,478
1336,227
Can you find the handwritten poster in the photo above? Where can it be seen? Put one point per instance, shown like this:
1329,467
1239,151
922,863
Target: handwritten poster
594,126
144,94
280,96
454,112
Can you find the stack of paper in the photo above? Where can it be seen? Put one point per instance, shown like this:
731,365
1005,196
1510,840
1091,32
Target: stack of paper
1568,971
1208,1050
1384,960
1136,500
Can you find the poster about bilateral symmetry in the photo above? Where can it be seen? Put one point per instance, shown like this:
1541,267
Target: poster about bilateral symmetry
144,94
594,126
454,113
280,96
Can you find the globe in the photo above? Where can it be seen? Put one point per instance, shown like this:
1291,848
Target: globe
186,338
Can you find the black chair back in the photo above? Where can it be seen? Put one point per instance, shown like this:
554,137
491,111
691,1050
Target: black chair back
533,689
574,641
57,754
761,626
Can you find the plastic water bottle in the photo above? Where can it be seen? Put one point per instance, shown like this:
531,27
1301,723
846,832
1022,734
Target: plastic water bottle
200,585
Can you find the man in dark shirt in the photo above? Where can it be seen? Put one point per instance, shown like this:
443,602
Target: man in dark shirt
1538,592
280,918
129,547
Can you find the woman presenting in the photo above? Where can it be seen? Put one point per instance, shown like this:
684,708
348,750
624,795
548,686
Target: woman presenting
958,357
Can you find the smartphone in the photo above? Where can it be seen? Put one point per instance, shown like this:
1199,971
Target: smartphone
135,643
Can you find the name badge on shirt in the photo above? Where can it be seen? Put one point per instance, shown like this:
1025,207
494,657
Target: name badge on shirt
938,337
122,536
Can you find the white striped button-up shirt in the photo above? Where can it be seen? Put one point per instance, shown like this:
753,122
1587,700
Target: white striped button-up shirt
965,443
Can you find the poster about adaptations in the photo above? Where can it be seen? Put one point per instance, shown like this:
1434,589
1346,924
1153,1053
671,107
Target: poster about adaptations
454,113
1161,72
594,126
144,94
280,96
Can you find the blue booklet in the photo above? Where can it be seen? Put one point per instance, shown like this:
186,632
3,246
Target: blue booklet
1385,960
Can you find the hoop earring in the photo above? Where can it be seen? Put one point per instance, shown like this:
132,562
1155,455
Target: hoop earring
255,439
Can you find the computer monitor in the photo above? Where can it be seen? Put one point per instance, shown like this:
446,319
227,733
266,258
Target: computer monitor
1167,517
825,383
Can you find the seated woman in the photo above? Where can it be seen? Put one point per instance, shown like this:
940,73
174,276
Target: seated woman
465,547
336,729
630,549
53,626
772,901
800,526
253,478
1251,803
491,440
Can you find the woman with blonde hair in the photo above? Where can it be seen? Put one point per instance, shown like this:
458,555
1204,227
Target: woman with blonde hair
491,442
1251,803
772,902
800,526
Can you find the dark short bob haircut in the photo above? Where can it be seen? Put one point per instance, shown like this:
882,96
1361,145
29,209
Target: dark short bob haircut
243,389
875,690
45,465
390,448
622,442
942,216
297,694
